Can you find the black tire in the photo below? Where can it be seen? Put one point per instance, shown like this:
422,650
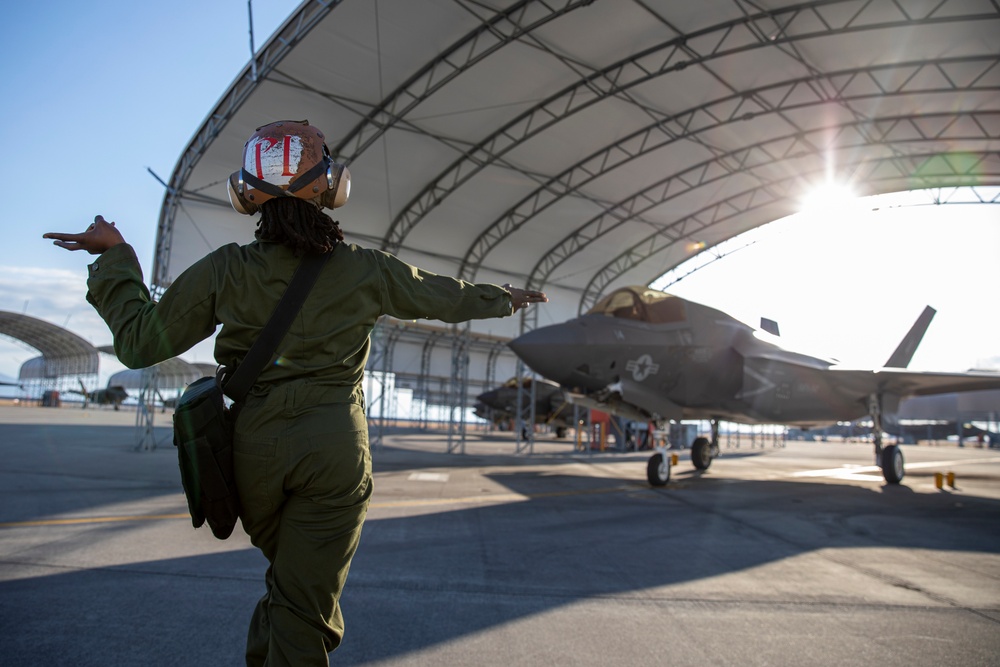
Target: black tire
560,432
658,470
701,453
893,467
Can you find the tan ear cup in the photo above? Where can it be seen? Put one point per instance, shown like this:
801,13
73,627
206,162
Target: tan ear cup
240,204
338,186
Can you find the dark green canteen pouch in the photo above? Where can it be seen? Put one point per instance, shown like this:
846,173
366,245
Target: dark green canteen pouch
203,435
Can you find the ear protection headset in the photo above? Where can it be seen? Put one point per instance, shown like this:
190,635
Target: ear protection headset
288,159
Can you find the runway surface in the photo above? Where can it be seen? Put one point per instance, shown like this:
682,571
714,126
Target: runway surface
798,555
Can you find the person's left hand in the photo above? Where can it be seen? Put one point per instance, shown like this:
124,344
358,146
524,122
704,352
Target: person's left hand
99,237
520,298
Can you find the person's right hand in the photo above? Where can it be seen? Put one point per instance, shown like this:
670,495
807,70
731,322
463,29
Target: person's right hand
519,298
99,237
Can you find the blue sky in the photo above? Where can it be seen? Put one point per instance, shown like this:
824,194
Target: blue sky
96,92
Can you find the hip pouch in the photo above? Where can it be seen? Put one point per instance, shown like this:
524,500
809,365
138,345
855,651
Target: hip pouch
203,435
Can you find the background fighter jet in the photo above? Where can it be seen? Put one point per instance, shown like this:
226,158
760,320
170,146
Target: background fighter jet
114,395
908,430
648,355
936,417
551,406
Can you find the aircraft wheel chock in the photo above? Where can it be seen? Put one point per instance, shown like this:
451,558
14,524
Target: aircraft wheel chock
892,464
658,470
701,453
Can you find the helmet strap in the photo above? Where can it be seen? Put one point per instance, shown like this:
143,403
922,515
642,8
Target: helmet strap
263,186
305,179
302,181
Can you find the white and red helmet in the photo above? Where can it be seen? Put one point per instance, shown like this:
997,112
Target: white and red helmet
288,158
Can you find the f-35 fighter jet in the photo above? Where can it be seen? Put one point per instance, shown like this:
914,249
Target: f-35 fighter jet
647,355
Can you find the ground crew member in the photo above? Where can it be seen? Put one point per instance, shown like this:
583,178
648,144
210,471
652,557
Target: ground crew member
302,461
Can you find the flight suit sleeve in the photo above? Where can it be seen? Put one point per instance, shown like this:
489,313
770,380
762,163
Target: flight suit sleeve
147,332
410,293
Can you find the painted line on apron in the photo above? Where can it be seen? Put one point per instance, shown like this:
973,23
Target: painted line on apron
469,500
496,497
92,519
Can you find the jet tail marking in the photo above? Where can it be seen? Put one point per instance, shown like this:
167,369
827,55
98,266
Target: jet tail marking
904,352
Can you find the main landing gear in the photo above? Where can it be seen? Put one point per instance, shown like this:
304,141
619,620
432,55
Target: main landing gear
890,458
703,451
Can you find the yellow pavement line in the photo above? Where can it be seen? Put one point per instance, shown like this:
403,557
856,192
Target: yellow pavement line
92,519
469,500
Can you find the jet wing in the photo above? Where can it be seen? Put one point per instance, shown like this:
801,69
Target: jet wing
903,382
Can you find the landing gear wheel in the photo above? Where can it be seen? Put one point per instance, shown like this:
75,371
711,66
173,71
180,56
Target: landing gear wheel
892,464
658,470
701,453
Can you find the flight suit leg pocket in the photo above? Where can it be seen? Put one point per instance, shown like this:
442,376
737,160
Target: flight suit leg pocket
258,476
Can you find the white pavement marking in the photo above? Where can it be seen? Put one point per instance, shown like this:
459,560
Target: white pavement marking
857,472
428,477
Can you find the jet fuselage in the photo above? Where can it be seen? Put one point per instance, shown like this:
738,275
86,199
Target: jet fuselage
705,364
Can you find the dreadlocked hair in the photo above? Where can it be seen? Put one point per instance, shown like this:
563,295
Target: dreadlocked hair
298,224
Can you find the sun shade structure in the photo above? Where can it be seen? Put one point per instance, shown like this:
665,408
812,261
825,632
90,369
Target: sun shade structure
581,146
171,374
586,145
63,352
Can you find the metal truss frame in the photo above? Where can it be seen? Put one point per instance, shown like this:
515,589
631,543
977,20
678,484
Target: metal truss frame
492,34
765,29
951,170
423,391
877,130
911,130
459,388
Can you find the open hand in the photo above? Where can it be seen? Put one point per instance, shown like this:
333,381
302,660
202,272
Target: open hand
520,298
99,237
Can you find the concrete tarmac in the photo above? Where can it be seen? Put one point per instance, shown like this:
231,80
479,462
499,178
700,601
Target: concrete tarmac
795,555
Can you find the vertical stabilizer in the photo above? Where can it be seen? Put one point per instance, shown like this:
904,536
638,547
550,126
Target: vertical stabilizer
770,326
904,352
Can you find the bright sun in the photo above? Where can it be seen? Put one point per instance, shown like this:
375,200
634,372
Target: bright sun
828,198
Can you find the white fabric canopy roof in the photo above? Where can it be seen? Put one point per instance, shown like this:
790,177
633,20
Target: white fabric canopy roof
578,146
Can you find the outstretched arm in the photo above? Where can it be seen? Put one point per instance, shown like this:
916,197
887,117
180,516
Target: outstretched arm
410,293
99,236
519,298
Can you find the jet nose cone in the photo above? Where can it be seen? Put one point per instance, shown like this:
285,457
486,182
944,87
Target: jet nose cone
550,350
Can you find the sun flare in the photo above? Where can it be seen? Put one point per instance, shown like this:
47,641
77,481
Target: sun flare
828,198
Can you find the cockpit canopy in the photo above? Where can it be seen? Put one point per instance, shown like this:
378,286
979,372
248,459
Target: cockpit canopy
642,304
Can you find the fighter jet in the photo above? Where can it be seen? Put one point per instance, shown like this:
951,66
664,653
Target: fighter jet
551,407
114,395
944,415
909,430
648,355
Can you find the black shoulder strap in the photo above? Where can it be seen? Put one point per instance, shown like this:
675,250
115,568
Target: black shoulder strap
288,307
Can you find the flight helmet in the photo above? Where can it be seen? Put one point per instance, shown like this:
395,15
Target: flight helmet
288,158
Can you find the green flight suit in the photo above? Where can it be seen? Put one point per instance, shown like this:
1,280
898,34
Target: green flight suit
302,462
